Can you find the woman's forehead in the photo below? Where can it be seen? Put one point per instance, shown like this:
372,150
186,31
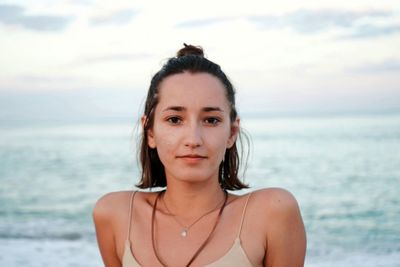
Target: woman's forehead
192,89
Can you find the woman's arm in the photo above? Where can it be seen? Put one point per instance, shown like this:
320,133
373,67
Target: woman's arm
286,237
102,214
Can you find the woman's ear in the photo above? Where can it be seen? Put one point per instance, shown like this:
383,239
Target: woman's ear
235,128
150,136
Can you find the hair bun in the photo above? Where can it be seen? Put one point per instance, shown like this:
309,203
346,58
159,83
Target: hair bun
190,50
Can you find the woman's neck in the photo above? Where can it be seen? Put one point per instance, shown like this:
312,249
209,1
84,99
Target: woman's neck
188,201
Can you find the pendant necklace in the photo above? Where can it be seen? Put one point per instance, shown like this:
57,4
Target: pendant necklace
153,230
185,229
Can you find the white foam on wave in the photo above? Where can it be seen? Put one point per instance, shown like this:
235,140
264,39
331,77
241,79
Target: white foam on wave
355,259
39,253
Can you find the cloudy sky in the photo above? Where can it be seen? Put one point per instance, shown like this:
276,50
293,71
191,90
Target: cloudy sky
96,57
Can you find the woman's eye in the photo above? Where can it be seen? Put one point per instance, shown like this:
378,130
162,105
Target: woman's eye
212,121
174,120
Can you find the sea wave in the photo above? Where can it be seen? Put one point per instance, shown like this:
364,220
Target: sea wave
355,259
44,236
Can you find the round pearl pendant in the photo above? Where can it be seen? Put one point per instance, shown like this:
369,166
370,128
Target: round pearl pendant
184,232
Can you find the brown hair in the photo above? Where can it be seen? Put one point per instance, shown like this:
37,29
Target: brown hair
188,59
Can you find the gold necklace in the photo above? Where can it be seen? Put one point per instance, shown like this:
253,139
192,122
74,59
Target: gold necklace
185,229
153,236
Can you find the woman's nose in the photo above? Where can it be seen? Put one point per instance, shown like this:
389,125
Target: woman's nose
193,136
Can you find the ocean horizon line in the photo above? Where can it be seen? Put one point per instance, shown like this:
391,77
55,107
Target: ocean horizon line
134,119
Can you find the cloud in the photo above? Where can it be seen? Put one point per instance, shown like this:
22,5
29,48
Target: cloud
113,58
303,21
312,21
203,22
15,15
369,31
119,17
81,2
45,79
389,65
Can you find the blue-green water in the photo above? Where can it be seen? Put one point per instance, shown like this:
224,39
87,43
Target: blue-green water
344,171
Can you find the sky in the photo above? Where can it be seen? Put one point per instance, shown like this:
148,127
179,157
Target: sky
95,58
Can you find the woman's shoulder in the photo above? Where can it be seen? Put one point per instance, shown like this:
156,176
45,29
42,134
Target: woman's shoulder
276,213
119,202
111,204
274,195
110,199
274,203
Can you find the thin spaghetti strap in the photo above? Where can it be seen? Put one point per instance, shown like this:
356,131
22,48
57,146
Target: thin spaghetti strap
243,214
130,214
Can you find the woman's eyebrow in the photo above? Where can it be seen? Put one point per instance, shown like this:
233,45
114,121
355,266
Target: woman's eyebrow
174,108
205,109
209,109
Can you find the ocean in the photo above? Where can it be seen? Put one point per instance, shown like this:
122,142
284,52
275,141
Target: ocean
344,171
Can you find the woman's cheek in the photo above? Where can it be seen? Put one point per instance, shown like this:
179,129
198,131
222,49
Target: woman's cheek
165,136
166,143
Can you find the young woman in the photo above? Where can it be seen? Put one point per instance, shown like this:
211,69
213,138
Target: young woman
190,127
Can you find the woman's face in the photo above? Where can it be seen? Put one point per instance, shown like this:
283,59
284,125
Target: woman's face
192,127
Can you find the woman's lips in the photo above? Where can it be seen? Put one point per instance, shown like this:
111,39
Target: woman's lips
192,158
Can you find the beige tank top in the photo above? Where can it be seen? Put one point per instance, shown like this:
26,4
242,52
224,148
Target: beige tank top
234,257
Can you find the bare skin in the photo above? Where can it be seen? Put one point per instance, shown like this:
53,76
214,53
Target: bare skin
191,135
